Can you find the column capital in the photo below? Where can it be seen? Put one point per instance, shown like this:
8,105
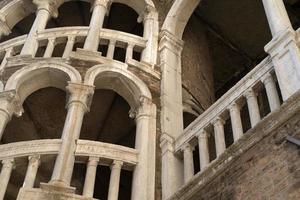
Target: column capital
104,3
187,147
117,164
10,103
34,158
218,121
144,109
49,5
94,161
80,93
149,13
171,42
234,106
202,134
267,78
10,162
250,93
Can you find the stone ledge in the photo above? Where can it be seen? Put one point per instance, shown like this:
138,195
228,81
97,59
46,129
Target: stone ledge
38,194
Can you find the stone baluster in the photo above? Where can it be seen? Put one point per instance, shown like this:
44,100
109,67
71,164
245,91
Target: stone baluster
129,52
50,47
271,91
9,105
151,32
114,183
90,177
7,167
277,16
188,162
141,184
8,53
45,9
93,38
33,165
203,149
219,135
236,122
69,46
78,104
111,49
253,108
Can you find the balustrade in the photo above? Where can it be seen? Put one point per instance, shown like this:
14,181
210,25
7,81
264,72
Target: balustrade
211,123
68,37
91,152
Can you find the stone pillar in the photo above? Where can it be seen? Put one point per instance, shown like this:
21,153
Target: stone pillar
271,91
188,161
45,9
93,38
7,167
33,165
8,53
171,111
111,49
50,48
114,183
9,105
203,149
90,177
69,46
129,52
277,16
283,48
151,32
236,122
78,104
252,107
219,136
142,184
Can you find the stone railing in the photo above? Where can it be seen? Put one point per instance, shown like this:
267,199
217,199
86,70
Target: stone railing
69,38
91,152
209,133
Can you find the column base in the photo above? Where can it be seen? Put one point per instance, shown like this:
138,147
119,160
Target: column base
40,193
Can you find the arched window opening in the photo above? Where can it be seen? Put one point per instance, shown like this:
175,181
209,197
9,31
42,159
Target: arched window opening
108,120
123,18
43,117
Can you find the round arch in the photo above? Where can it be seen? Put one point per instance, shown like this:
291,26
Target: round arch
129,86
179,15
29,79
26,7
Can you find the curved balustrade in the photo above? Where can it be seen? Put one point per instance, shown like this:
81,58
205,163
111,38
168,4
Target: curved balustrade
211,124
69,37
91,152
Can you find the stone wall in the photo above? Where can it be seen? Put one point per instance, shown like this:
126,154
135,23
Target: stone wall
197,74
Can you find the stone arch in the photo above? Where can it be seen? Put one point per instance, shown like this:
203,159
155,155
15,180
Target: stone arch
8,18
29,79
129,86
179,15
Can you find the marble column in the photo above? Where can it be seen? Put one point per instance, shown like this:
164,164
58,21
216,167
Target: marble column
151,31
236,122
252,107
90,177
114,183
271,91
33,165
7,167
111,49
219,135
277,16
143,143
50,48
188,161
129,52
93,38
45,9
69,46
9,105
203,149
78,104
